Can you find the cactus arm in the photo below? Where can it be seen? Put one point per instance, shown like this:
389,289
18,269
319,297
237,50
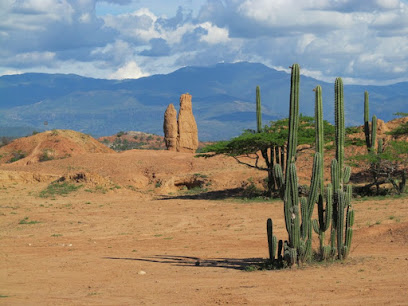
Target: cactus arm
293,121
347,174
335,175
380,148
314,184
293,211
373,131
340,223
329,208
305,218
277,169
319,132
340,128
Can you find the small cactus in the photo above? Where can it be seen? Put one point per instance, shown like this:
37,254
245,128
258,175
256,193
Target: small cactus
272,241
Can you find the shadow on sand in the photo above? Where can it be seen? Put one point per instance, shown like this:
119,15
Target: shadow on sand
187,261
233,193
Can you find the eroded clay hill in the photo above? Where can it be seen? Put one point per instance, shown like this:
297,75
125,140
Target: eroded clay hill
49,145
384,128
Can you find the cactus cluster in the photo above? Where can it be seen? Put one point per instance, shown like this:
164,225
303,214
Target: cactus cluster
333,202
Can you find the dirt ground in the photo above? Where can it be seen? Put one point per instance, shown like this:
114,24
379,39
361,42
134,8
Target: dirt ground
157,227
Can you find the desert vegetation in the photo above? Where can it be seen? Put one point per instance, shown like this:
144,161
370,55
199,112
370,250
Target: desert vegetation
85,224
278,146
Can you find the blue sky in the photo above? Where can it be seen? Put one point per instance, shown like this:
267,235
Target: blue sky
365,42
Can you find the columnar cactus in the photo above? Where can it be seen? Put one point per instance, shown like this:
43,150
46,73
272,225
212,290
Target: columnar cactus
370,136
293,116
298,223
342,209
291,152
268,157
340,127
319,132
366,120
338,211
321,225
258,110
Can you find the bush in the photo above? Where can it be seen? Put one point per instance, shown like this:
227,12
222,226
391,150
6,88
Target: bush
17,155
59,189
45,156
120,134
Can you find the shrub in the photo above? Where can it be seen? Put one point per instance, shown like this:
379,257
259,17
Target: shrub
17,155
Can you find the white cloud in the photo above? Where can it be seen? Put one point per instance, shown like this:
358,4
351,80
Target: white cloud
358,40
130,70
139,25
85,18
11,72
215,34
116,52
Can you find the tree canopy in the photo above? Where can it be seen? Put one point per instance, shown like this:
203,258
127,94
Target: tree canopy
275,134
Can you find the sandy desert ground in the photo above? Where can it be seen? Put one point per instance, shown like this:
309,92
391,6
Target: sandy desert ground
164,228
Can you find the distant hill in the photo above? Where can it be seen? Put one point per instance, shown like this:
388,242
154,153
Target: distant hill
56,144
223,100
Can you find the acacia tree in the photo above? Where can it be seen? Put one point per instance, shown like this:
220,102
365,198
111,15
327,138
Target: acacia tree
264,148
387,163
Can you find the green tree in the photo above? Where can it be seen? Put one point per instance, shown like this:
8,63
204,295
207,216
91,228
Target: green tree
267,145
389,162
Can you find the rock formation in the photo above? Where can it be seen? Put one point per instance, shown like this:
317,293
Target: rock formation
183,129
187,140
170,128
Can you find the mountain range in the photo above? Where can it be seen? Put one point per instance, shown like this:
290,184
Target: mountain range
223,100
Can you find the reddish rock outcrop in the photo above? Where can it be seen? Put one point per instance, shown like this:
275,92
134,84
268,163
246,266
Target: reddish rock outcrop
170,128
181,134
187,140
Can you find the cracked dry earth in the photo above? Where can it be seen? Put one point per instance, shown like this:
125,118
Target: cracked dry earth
131,234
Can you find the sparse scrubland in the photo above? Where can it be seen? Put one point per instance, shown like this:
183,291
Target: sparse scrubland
83,224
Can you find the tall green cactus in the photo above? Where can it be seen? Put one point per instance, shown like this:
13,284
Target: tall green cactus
258,110
298,223
340,176
321,225
370,136
293,115
373,131
366,120
319,132
271,156
340,126
338,209
293,128
289,202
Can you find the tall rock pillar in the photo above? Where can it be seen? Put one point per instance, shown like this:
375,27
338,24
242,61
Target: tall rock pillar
170,128
181,135
187,140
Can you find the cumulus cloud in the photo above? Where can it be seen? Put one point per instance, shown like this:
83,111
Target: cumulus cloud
364,41
332,37
138,25
215,35
130,70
